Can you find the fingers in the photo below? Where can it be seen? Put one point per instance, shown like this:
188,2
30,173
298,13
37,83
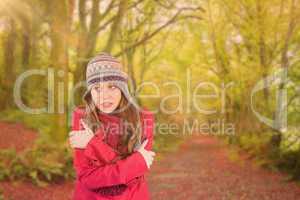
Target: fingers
150,159
137,148
71,141
144,143
85,126
152,153
147,154
72,133
73,138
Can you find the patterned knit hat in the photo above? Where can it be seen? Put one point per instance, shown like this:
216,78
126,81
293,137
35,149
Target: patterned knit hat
104,67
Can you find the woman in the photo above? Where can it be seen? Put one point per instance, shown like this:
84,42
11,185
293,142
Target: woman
111,135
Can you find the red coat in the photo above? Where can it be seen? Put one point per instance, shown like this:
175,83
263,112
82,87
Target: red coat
97,178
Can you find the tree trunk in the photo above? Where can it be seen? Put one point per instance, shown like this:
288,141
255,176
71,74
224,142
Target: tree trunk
9,76
116,26
60,29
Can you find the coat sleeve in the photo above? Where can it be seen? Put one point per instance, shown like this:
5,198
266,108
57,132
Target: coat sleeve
96,150
94,173
78,154
94,176
148,127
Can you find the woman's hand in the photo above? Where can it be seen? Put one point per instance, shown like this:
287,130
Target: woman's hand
148,155
80,138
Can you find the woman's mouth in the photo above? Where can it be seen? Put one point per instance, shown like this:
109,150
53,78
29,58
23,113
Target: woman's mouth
106,104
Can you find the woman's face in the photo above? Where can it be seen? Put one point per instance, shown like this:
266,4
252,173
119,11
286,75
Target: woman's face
106,96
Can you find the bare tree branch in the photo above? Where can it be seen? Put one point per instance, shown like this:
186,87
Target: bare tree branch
160,28
108,9
82,15
109,21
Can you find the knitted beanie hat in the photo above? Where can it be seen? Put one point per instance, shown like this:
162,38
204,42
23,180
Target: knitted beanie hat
104,67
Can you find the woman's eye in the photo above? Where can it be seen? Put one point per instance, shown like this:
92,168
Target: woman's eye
112,87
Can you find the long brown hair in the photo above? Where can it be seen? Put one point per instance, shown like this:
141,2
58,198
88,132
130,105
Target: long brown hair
129,116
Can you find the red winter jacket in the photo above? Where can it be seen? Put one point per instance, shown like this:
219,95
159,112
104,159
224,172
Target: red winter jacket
100,175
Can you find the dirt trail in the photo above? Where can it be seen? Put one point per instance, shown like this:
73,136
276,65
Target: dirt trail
201,169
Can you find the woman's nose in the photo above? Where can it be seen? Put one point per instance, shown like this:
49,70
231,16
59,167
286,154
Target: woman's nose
105,94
